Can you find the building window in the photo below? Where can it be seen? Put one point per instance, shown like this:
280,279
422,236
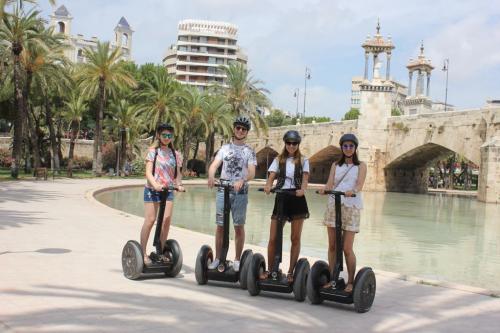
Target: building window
203,39
124,39
62,27
182,48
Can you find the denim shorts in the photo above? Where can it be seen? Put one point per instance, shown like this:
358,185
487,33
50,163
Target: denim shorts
238,202
150,195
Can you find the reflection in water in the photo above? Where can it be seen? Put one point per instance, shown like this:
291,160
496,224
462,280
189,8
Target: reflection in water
431,236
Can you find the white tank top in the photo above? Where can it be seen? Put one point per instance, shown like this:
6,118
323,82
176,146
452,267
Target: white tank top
348,183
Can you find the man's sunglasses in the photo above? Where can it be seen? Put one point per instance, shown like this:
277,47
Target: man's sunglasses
167,135
292,143
241,128
347,146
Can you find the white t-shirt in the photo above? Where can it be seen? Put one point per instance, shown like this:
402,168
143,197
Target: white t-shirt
290,170
235,161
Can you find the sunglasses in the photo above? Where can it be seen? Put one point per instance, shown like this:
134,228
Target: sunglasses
241,128
347,146
167,135
291,143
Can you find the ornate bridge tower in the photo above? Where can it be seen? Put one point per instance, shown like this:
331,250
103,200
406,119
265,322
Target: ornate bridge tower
418,101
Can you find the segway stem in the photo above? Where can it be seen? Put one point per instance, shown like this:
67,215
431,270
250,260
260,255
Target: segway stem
159,221
227,186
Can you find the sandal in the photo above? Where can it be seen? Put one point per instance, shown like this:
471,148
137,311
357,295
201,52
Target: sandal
289,278
264,275
348,288
328,285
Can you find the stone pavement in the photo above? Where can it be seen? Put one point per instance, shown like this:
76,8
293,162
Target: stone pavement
60,271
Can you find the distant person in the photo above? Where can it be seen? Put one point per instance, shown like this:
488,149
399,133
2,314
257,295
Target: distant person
163,170
238,166
347,175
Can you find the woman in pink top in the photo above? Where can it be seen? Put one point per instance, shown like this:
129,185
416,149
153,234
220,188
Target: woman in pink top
163,170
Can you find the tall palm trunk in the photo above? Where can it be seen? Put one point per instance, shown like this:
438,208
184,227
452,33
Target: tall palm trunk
123,157
52,135
185,152
74,135
97,163
31,123
20,114
209,150
59,136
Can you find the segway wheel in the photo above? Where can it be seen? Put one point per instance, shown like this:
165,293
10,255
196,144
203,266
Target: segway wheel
132,260
173,247
318,277
364,290
246,258
301,272
257,267
200,270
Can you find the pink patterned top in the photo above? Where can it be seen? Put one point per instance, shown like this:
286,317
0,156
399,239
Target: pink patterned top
164,170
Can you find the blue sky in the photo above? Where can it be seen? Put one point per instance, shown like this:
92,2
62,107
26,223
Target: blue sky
282,37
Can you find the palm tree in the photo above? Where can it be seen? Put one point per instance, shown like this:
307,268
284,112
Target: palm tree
158,96
191,107
4,3
16,31
126,120
73,113
217,119
244,94
100,77
44,65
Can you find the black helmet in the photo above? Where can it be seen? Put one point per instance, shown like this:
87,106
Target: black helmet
164,127
243,121
292,136
349,137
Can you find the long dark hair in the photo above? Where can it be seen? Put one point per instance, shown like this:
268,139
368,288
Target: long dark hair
355,159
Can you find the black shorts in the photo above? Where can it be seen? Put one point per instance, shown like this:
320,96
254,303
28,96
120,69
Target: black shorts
294,207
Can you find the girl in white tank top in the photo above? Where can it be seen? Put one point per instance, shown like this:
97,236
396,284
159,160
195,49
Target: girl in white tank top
347,175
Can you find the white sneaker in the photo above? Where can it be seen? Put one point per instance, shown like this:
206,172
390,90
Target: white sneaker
213,264
236,265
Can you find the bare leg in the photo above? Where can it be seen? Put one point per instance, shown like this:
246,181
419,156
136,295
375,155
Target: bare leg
239,240
219,234
150,209
271,245
167,217
331,248
350,257
295,238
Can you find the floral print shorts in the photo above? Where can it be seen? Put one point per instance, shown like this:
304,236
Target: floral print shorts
350,217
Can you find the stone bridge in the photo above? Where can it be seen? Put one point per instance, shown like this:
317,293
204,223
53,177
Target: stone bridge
398,150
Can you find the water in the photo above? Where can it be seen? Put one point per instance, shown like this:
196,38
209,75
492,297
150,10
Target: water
430,236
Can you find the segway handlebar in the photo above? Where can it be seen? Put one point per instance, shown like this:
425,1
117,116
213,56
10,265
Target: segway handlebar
223,183
334,193
277,190
172,188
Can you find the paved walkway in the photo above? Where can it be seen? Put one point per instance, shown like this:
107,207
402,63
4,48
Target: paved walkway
60,271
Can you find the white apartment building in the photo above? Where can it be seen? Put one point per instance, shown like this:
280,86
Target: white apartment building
61,19
202,48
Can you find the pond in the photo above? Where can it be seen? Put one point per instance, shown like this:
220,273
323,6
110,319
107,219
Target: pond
430,236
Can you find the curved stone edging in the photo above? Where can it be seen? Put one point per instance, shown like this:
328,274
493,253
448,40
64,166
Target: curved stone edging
90,195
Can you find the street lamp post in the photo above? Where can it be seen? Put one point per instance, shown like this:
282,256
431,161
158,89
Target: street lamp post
296,95
446,68
307,76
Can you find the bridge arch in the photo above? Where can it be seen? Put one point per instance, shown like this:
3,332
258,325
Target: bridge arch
321,162
265,157
409,172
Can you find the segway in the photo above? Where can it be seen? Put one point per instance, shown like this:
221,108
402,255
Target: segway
168,261
224,271
277,281
364,287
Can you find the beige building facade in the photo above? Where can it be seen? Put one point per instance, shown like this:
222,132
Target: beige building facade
62,20
201,49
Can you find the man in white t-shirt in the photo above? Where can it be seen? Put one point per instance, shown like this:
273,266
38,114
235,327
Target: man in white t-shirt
238,166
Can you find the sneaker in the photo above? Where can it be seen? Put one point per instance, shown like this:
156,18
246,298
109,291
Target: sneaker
213,264
236,265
